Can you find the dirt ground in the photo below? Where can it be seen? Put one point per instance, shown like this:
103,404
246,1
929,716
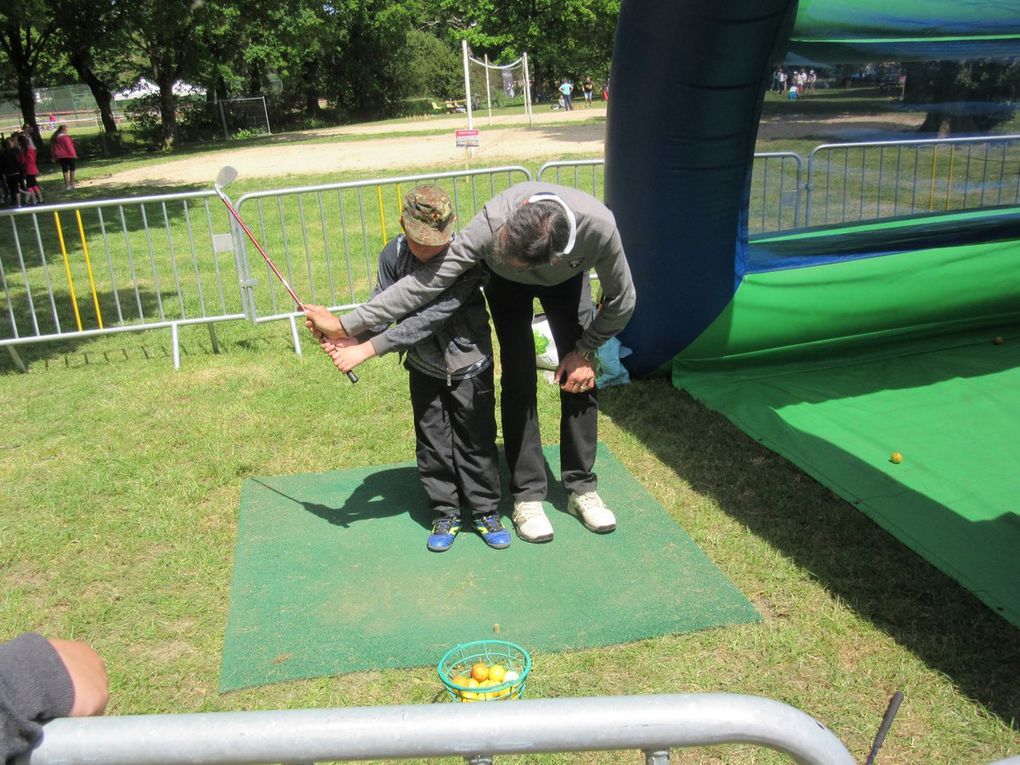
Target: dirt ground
506,140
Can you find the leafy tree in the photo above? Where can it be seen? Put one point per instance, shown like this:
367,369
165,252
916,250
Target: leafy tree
432,67
26,30
168,33
963,96
102,61
563,38
364,68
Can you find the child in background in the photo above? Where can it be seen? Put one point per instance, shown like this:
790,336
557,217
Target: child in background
449,358
30,170
10,168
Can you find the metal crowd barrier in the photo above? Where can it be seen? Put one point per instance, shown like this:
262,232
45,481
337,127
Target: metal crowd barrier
82,269
476,732
852,182
583,174
326,239
855,182
775,200
77,270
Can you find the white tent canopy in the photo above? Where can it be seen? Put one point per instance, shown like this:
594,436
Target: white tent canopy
145,88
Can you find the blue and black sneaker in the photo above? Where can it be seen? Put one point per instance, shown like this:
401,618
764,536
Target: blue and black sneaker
491,530
444,531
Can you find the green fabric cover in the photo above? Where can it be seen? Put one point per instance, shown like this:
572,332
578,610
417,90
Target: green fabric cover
948,402
905,19
805,312
332,575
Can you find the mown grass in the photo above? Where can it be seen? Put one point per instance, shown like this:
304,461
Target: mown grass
120,483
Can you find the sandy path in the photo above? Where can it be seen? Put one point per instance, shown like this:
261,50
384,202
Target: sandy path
554,134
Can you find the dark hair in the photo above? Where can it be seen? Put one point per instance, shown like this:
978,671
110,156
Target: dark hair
534,234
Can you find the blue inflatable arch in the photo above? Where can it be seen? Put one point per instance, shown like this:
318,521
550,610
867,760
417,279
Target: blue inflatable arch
688,82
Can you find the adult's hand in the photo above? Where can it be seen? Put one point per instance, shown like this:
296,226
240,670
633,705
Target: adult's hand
322,323
575,374
88,676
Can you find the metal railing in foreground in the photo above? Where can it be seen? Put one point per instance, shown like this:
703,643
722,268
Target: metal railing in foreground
476,732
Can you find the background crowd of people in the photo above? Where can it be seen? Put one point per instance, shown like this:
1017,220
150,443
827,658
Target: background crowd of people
19,164
796,81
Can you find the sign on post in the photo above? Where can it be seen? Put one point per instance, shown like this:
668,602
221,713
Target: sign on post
467,138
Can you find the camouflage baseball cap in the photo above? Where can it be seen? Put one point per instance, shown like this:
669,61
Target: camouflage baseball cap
428,216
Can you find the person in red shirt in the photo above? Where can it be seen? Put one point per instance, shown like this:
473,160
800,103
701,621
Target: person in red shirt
64,151
30,170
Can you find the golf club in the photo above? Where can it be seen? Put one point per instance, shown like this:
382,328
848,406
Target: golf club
224,178
883,729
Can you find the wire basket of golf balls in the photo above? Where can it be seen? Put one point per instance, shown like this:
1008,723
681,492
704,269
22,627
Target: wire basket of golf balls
485,670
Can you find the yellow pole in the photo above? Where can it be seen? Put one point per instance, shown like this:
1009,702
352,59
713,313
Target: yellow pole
949,185
931,185
400,204
67,270
88,268
382,214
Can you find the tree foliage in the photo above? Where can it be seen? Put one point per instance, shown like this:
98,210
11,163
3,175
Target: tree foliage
963,96
563,38
25,32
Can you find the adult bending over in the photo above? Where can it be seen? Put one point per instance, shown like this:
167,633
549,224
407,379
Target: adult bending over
539,241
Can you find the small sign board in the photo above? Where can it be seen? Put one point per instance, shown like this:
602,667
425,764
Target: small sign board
467,138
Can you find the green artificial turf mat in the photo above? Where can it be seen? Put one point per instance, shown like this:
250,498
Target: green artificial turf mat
331,575
948,404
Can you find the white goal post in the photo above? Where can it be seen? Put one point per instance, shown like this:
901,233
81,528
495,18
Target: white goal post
507,82
248,113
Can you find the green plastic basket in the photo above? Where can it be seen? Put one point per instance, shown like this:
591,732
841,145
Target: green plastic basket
457,663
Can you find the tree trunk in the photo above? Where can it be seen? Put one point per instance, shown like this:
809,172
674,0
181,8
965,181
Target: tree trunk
102,94
26,98
167,111
22,48
935,123
312,108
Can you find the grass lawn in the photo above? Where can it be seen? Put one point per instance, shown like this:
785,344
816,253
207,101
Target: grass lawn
120,482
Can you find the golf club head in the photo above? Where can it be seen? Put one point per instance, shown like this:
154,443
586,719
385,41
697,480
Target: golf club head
225,177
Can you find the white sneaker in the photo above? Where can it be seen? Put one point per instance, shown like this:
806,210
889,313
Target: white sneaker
530,522
592,511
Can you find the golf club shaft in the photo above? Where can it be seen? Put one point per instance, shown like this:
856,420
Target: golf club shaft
263,253
269,262
883,729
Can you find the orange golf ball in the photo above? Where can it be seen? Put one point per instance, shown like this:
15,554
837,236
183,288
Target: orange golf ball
998,341
896,458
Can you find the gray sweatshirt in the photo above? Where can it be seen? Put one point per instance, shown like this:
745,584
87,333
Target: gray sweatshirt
597,247
34,687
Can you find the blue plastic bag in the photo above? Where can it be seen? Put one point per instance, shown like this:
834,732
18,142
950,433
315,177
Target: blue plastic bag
611,369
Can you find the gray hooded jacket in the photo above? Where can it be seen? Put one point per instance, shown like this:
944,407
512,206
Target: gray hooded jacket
597,247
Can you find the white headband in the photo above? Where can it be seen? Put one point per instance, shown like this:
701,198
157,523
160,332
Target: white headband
547,196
